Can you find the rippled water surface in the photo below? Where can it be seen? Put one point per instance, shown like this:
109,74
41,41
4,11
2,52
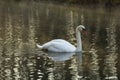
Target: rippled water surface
23,25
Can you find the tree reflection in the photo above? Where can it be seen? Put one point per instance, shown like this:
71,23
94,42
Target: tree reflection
23,25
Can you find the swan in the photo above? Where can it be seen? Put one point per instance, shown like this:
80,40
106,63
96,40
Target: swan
61,45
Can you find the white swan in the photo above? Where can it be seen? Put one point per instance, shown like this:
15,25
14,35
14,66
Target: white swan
60,45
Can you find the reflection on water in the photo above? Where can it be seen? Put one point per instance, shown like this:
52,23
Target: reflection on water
60,56
23,25
110,59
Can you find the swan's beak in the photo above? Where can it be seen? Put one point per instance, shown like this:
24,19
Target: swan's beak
84,32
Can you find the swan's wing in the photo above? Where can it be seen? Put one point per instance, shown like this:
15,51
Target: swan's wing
62,41
59,46
59,40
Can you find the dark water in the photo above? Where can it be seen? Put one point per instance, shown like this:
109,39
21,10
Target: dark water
22,25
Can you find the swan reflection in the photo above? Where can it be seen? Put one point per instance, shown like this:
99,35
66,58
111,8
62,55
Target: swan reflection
56,56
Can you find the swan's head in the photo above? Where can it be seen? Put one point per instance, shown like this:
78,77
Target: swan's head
81,28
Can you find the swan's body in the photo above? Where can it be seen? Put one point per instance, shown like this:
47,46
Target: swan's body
60,45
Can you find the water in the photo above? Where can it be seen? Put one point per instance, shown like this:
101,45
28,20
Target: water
22,25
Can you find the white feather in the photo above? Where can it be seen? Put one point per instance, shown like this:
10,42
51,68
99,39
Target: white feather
60,45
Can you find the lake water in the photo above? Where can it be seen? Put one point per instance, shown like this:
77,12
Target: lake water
23,25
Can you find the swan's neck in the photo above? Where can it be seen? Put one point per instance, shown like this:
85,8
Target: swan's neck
79,42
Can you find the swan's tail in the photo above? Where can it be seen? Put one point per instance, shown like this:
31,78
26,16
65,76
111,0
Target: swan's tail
39,46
